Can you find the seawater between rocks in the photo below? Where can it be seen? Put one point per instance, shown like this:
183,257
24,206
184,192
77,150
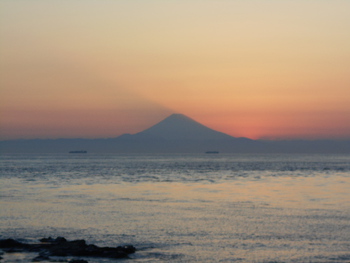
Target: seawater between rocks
182,208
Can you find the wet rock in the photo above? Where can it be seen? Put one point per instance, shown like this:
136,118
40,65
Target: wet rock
64,248
69,248
11,243
51,240
127,249
78,261
40,258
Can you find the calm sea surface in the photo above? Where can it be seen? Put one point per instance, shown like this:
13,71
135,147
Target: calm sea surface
182,208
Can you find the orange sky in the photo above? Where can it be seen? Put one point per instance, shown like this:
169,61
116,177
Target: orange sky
257,69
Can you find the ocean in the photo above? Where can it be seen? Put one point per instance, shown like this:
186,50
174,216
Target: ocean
182,207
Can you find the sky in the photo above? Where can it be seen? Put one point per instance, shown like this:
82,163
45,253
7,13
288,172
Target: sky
262,69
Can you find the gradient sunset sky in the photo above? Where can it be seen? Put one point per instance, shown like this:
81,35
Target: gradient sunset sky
96,69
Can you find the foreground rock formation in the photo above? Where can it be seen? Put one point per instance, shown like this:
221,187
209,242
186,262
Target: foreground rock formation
61,247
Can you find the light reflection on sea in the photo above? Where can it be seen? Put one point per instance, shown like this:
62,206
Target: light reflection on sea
210,209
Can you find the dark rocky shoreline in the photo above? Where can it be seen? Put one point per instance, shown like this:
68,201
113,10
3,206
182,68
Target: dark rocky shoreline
61,247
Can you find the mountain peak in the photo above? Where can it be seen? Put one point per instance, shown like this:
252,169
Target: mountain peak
178,116
179,126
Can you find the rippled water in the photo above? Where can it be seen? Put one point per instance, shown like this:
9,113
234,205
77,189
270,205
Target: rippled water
183,208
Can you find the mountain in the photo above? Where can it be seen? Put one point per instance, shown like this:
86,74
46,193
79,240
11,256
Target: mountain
175,134
179,133
181,127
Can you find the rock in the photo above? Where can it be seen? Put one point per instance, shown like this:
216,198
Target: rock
51,240
78,261
129,249
11,243
40,258
63,248
44,240
59,240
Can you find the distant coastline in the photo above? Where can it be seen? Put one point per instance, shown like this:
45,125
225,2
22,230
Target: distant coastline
175,134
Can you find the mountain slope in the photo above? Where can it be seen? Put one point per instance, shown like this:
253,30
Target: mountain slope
181,127
181,134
